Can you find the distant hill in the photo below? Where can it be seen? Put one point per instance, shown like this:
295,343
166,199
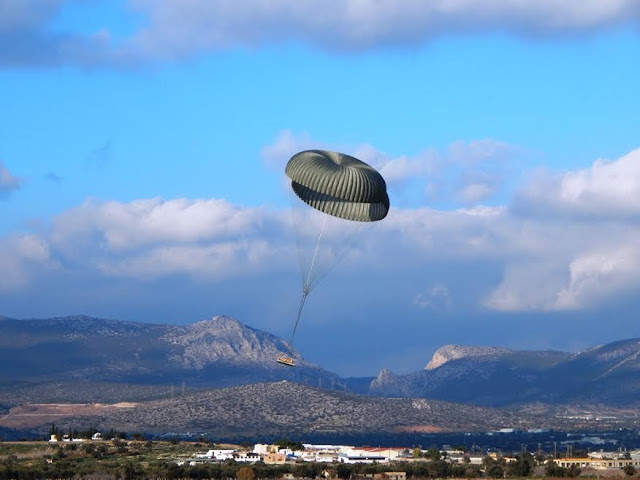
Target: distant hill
212,353
608,374
279,408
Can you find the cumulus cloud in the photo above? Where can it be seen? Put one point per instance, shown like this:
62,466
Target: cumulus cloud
126,226
594,276
586,247
154,237
178,29
609,189
8,182
490,256
22,257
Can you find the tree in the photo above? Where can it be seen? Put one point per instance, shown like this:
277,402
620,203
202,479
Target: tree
630,470
286,443
245,473
495,471
493,468
574,471
433,453
132,470
522,467
343,471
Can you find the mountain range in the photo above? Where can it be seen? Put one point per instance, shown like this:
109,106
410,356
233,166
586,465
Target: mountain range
79,359
213,353
607,374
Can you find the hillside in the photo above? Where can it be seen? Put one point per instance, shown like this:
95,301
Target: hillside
212,353
278,408
608,374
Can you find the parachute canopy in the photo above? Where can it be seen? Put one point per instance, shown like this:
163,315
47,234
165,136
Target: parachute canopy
339,185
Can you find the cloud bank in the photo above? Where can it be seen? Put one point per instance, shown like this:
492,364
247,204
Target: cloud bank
176,29
584,258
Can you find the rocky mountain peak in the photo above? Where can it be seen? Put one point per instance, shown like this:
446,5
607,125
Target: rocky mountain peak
223,339
454,352
384,378
385,375
219,325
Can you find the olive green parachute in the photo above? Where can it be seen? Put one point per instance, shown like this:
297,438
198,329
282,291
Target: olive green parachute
339,185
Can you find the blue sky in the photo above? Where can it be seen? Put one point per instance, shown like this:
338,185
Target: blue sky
143,143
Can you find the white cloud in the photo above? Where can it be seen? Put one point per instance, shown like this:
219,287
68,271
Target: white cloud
476,192
8,182
585,250
594,276
536,263
180,29
609,190
127,226
21,257
219,260
151,238
400,169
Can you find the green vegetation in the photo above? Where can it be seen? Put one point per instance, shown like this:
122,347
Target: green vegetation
134,459
286,443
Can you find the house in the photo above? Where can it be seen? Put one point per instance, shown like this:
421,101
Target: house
275,459
246,457
597,463
389,453
261,448
342,458
219,455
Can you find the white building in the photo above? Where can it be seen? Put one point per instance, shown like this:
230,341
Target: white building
219,455
246,457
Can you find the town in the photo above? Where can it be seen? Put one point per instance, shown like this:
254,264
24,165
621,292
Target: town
137,457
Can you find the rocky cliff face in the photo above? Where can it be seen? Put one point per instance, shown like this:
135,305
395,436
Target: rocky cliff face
223,339
454,352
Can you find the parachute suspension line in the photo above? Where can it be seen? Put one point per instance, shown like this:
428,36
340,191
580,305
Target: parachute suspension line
303,299
306,287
